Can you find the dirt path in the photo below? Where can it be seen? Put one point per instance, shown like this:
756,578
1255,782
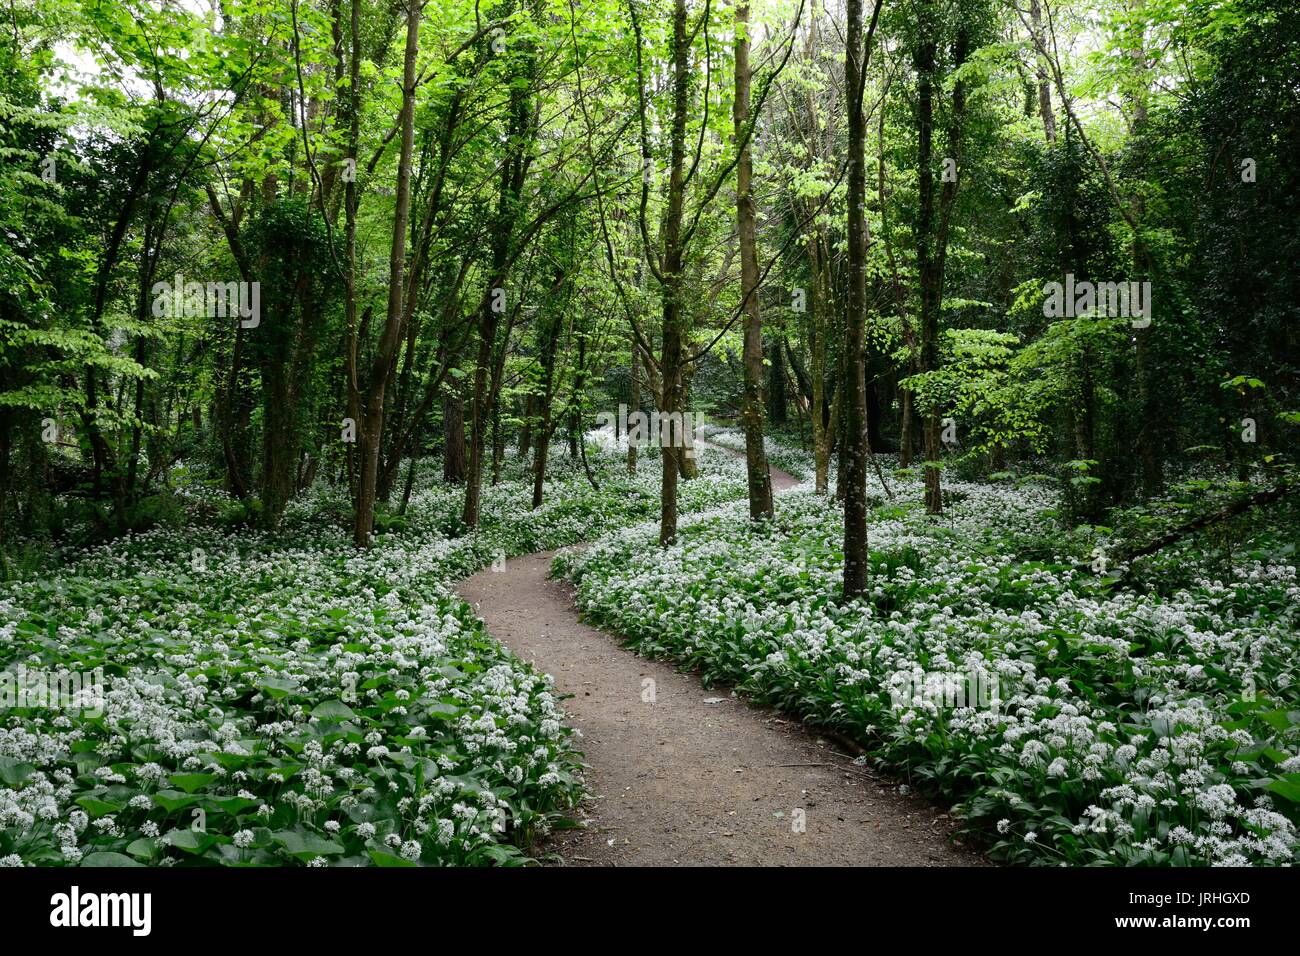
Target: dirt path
697,776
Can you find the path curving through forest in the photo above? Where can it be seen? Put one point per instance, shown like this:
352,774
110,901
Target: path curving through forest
697,777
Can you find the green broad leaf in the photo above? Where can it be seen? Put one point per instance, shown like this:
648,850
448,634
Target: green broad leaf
305,845
98,808
105,858
234,805
15,772
501,855
190,782
230,855
191,841
172,800
278,686
1278,719
334,710
1287,787
143,848
381,858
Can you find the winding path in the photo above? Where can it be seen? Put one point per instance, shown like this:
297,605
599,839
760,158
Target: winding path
697,777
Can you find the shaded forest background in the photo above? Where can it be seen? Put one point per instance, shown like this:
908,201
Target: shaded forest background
473,228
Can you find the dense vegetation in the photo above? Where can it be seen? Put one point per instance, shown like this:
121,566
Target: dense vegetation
309,308
281,697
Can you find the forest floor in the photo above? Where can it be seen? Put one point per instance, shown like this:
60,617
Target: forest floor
694,776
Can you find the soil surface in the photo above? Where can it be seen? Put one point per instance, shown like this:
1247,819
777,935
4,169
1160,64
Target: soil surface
689,775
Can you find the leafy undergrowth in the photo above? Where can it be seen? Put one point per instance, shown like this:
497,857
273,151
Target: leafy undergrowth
1155,722
277,699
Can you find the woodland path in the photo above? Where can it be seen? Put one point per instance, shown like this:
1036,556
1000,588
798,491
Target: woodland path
697,777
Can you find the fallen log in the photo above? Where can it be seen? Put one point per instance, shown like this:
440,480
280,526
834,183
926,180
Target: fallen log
1241,506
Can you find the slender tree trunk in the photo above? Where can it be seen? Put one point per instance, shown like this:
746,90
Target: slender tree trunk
686,465
479,412
137,425
840,446
6,441
853,384
550,346
633,403
494,395
821,430
778,401
410,482
350,200
539,459
1040,74
926,253
453,431
526,428
905,439
670,363
370,428
498,440
756,467
932,235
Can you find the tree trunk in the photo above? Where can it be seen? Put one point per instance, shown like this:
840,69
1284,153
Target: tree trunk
1040,73
905,439
526,428
926,254
819,307
756,467
686,465
670,363
550,346
453,433
498,439
778,402
6,440
633,403
854,478
370,428
410,483
932,236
